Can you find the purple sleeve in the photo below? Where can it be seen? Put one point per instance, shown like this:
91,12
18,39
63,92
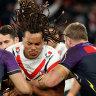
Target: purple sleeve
71,58
10,63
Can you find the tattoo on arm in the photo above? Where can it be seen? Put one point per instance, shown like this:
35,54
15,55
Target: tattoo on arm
41,83
60,74
62,71
54,77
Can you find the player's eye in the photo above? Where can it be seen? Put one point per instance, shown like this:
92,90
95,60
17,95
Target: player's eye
37,44
6,41
29,43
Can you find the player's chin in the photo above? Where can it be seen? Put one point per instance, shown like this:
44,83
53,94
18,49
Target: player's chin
33,56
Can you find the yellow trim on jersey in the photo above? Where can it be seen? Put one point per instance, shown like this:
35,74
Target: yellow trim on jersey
0,85
13,70
92,86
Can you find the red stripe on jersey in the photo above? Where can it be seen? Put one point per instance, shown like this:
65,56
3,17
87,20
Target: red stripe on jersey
52,66
30,76
90,49
38,68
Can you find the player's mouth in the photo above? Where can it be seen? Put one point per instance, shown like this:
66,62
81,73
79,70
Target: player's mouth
33,53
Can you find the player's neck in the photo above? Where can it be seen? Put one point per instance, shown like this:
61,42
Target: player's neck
78,42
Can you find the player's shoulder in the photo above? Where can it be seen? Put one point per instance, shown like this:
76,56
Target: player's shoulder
78,49
5,54
48,48
1,51
14,46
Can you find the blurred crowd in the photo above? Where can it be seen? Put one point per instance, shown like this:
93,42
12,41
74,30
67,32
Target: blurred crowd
60,12
83,11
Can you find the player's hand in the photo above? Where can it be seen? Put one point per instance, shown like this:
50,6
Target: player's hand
6,92
13,92
35,82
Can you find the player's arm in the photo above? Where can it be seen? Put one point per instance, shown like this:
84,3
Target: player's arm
40,92
51,91
70,75
53,78
56,91
61,71
75,89
14,73
21,84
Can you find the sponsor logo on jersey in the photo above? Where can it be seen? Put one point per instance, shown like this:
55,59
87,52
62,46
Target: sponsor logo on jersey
48,54
91,85
17,49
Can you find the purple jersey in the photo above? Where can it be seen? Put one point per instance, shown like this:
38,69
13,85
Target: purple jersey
81,60
8,63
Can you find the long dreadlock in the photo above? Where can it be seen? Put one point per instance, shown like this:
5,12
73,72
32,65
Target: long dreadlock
32,19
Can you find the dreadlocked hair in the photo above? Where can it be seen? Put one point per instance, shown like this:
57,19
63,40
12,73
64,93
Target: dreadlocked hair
32,19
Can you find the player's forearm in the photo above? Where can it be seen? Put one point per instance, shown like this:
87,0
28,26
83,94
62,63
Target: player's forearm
70,76
56,91
54,78
47,81
41,92
51,79
75,89
20,83
38,91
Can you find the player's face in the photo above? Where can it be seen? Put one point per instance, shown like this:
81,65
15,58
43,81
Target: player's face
6,41
33,44
51,43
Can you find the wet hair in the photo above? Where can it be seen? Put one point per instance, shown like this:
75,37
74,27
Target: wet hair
7,29
32,19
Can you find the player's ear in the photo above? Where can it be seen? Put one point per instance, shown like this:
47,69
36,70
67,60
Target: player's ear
69,40
16,39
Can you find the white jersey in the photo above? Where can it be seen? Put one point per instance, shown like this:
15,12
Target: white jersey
61,49
33,68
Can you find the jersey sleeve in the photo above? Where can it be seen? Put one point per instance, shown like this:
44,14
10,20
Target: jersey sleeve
10,63
71,58
53,61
